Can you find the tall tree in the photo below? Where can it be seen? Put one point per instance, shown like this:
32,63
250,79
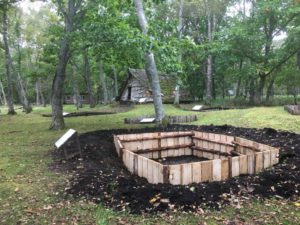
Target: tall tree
2,93
87,77
103,83
8,63
151,69
18,72
69,12
180,32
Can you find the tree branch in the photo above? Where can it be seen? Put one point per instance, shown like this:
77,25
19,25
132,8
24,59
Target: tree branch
283,61
285,25
61,7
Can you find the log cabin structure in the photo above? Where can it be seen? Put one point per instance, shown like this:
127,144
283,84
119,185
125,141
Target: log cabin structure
136,88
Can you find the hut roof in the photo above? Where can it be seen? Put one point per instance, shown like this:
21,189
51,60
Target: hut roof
167,81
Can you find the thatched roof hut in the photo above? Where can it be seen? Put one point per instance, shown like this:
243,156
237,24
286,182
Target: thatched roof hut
136,87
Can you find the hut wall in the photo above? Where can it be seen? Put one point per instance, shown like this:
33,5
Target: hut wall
138,91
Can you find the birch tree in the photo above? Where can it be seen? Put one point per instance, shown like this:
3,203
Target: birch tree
151,69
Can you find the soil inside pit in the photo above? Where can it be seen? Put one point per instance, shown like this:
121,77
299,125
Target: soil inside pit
102,177
180,159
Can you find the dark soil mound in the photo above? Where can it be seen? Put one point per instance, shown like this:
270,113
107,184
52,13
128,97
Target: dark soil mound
102,177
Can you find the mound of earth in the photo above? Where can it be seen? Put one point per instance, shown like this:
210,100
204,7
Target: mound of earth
101,176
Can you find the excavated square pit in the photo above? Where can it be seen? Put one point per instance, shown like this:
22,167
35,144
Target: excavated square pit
186,157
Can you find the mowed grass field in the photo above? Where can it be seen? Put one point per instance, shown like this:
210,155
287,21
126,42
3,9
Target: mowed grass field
32,193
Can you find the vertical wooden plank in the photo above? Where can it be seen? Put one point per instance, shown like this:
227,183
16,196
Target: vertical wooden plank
145,168
124,159
267,159
223,148
150,171
170,142
180,152
196,172
206,171
155,172
216,156
176,152
135,163
274,156
251,164
217,167
235,166
187,173
155,155
131,162
200,154
161,174
187,151
172,153
175,174
181,140
163,142
259,162
140,166
211,145
117,145
243,164
164,154
225,169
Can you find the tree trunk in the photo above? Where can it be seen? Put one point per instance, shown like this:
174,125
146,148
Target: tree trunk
22,94
151,69
252,91
260,89
8,63
21,89
115,81
87,78
298,59
177,95
156,91
3,94
37,91
270,89
103,83
238,88
179,30
209,71
60,74
76,94
42,97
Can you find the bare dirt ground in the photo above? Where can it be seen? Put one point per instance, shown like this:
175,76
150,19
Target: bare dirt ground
101,176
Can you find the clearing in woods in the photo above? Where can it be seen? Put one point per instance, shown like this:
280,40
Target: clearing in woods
36,188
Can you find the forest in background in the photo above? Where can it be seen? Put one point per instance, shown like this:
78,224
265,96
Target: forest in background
246,49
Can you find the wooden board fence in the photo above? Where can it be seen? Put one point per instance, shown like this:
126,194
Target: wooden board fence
227,156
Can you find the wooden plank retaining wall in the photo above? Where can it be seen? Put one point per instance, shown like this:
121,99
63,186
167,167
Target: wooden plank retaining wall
227,156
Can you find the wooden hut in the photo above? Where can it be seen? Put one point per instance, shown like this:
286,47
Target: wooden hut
136,87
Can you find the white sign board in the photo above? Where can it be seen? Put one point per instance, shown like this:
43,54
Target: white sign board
65,113
197,107
64,138
142,100
147,120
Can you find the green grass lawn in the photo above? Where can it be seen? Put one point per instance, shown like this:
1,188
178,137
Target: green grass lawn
31,193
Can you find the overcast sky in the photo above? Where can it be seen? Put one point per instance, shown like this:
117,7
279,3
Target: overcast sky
26,5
